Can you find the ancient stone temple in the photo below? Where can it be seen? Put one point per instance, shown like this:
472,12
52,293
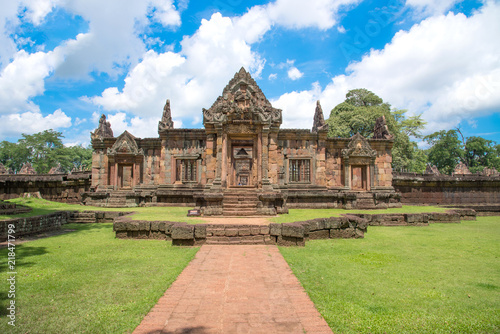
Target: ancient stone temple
242,162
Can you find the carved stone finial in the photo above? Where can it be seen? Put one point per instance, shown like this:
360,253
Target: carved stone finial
166,119
57,169
27,169
103,130
432,170
461,169
381,131
319,120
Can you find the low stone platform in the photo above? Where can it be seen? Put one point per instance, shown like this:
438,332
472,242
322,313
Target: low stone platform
243,289
288,234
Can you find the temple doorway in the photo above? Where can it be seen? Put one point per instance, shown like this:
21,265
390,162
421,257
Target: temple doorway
242,166
359,178
125,176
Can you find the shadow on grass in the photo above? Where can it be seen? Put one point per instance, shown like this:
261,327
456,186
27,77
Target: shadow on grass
22,260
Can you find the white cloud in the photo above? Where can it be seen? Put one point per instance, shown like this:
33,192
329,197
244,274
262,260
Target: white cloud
143,127
32,122
294,73
112,42
192,79
446,67
321,14
38,9
24,78
341,29
431,7
273,76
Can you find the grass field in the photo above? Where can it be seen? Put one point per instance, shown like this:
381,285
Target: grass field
179,214
442,278
42,207
87,281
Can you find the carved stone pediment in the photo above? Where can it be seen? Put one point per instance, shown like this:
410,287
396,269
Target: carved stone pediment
242,100
358,147
125,145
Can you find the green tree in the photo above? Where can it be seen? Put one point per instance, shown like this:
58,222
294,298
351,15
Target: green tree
359,112
446,150
13,155
79,157
480,153
46,149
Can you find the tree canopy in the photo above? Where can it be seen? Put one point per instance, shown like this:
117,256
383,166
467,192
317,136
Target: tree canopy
44,150
359,112
448,148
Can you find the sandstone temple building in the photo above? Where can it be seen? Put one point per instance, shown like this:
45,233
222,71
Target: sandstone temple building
242,162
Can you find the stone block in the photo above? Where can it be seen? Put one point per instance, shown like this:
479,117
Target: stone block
254,230
200,231
290,241
231,232
219,232
275,229
414,218
183,232
132,226
244,231
293,230
120,226
264,230
121,234
319,234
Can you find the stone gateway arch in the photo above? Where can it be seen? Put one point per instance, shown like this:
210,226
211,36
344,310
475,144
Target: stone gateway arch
242,163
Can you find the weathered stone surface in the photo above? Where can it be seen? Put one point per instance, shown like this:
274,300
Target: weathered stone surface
292,230
103,130
381,131
183,232
275,229
200,231
319,234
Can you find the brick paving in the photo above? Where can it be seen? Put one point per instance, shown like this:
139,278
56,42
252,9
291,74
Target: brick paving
235,289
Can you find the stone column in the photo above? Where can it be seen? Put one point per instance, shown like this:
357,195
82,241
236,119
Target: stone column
266,184
115,181
372,173
224,167
259,159
216,185
347,174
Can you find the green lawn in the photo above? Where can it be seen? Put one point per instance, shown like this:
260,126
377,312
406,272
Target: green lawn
179,214
87,281
41,207
442,278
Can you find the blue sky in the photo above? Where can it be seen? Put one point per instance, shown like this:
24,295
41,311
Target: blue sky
65,62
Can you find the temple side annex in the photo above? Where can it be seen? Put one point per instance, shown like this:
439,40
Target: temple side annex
242,162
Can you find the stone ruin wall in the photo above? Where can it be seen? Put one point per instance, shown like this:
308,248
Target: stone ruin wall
66,188
447,190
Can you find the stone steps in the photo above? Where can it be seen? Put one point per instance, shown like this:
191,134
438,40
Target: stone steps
238,235
82,218
240,203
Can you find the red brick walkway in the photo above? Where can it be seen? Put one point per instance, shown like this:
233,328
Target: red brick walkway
235,289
